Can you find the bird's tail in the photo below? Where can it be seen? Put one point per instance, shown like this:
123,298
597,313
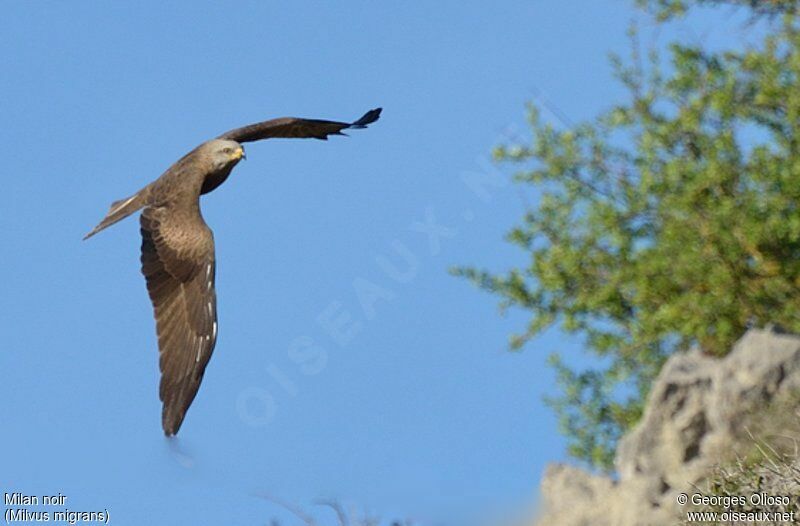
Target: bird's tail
121,209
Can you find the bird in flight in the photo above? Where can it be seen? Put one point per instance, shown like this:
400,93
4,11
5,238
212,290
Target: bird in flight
178,260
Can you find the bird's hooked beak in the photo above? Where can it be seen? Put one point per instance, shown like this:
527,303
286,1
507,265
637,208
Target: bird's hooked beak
239,154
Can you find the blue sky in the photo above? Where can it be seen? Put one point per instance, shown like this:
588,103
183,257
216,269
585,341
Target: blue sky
420,411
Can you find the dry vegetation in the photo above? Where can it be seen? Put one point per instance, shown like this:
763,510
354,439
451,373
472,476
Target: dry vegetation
768,463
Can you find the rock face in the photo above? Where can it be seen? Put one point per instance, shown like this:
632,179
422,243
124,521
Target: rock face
692,421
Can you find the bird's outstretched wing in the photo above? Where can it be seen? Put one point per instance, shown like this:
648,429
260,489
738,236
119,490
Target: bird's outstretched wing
178,264
296,128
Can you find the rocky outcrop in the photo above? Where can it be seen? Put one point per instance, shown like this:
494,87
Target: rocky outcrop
692,422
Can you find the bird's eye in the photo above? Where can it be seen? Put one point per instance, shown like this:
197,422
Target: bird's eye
227,150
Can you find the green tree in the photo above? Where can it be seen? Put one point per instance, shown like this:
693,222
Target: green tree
669,220
666,9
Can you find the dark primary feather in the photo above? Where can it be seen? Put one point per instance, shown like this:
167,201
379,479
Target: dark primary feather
293,127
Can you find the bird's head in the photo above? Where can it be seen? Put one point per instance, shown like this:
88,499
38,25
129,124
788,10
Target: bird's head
224,153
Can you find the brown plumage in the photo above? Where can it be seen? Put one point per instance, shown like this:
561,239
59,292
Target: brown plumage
178,251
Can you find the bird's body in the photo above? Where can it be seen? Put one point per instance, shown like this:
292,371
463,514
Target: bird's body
178,259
